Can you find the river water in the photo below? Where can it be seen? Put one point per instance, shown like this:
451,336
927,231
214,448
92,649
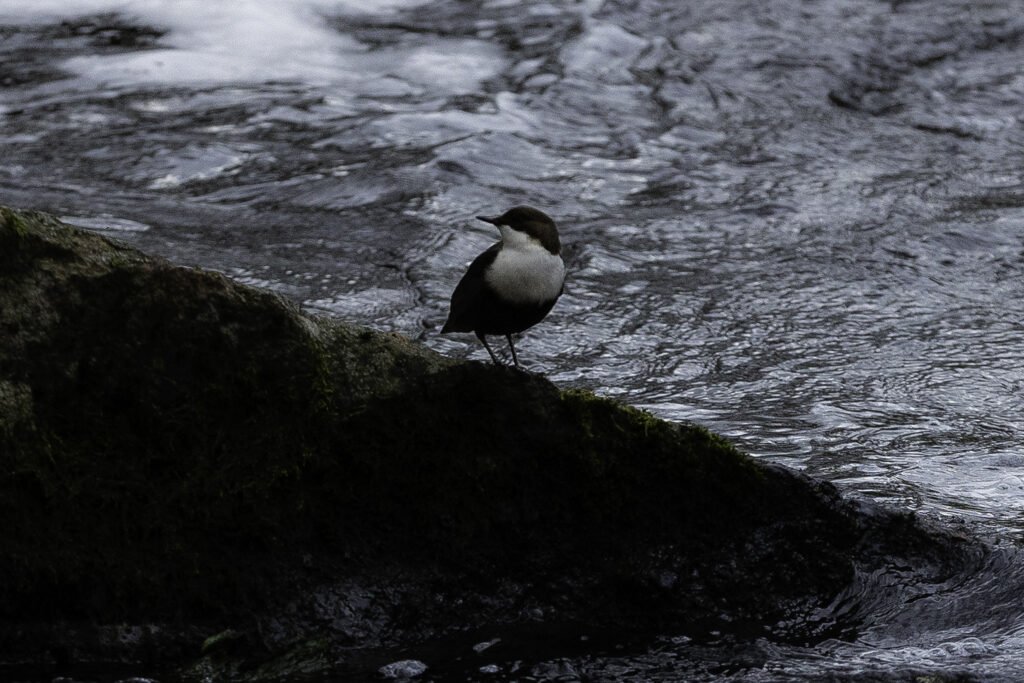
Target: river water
799,223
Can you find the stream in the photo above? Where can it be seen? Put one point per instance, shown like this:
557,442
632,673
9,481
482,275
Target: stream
799,223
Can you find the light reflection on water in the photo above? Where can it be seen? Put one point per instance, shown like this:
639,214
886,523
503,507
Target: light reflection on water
809,240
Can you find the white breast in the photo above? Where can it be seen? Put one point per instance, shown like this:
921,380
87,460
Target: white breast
524,271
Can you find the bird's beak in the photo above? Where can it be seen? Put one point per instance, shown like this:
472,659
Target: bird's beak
493,220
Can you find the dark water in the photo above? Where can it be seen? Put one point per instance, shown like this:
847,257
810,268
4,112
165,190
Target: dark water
798,223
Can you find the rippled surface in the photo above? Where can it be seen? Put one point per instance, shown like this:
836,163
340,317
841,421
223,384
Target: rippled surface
801,224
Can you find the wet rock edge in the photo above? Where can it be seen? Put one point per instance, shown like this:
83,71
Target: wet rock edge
190,456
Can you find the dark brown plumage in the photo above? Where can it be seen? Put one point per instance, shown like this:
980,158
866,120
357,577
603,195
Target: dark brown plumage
512,285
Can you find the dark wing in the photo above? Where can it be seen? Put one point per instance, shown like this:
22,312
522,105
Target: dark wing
470,293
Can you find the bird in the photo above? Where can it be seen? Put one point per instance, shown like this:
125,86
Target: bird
512,285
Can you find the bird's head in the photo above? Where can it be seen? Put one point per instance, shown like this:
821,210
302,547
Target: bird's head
524,224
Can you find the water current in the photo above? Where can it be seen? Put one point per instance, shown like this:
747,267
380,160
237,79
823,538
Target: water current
799,223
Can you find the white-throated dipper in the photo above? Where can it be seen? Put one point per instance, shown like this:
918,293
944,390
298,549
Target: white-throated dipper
511,286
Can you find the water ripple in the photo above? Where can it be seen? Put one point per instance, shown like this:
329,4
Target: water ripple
799,224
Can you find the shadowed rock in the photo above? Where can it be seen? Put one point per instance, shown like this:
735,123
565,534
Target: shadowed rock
177,448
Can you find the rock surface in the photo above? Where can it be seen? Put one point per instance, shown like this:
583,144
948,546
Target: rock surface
191,455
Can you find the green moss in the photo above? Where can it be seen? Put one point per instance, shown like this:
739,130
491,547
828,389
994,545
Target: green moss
488,465
173,411
12,225
221,642
308,660
12,233
173,440
15,407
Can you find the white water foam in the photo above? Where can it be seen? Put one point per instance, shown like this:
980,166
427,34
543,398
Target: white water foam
257,41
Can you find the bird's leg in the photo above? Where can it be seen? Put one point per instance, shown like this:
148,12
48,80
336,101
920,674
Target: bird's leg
488,347
513,348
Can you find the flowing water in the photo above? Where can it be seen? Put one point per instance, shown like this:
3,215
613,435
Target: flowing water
799,223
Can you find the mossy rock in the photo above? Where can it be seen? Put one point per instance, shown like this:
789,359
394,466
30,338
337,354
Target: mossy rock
176,445
157,421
